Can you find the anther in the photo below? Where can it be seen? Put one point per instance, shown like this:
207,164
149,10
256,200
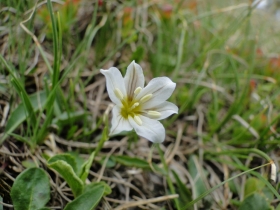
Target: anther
118,93
137,120
134,105
146,98
137,90
154,114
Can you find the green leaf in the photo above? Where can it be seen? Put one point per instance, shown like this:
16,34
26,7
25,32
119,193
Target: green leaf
89,199
185,195
3,89
136,162
107,189
79,162
199,187
25,99
253,185
67,172
68,158
131,161
31,190
86,167
109,164
254,201
20,91
29,163
1,206
66,117
18,115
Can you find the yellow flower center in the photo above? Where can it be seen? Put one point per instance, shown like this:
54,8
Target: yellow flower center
130,107
133,108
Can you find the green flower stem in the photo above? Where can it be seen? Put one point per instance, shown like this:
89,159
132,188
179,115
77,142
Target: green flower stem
169,182
104,137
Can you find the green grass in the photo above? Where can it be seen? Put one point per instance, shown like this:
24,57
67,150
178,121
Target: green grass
224,58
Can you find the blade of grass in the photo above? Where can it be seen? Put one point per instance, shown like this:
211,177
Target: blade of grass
222,183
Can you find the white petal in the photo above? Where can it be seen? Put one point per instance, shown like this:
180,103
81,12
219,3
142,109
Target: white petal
119,124
150,129
165,109
134,78
161,88
114,80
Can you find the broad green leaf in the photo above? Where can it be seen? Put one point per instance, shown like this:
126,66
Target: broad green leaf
253,185
254,202
107,189
89,199
31,190
19,115
86,167
267,193
68,173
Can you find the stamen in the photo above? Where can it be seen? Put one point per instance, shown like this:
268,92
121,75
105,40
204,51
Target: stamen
146,98
137,90
134,105
138,120
118,93
154,114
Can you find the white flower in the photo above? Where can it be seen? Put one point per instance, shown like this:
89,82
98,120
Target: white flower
138,107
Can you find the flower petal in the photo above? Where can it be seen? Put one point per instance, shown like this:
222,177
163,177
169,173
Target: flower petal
165,109
134,78
150,129
114,80
119,124
161,89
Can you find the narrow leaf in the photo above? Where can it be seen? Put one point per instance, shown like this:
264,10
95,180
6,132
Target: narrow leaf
131,161
19,114
31,190
185,195
86,167
65,117
136,162
68,173
68,158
